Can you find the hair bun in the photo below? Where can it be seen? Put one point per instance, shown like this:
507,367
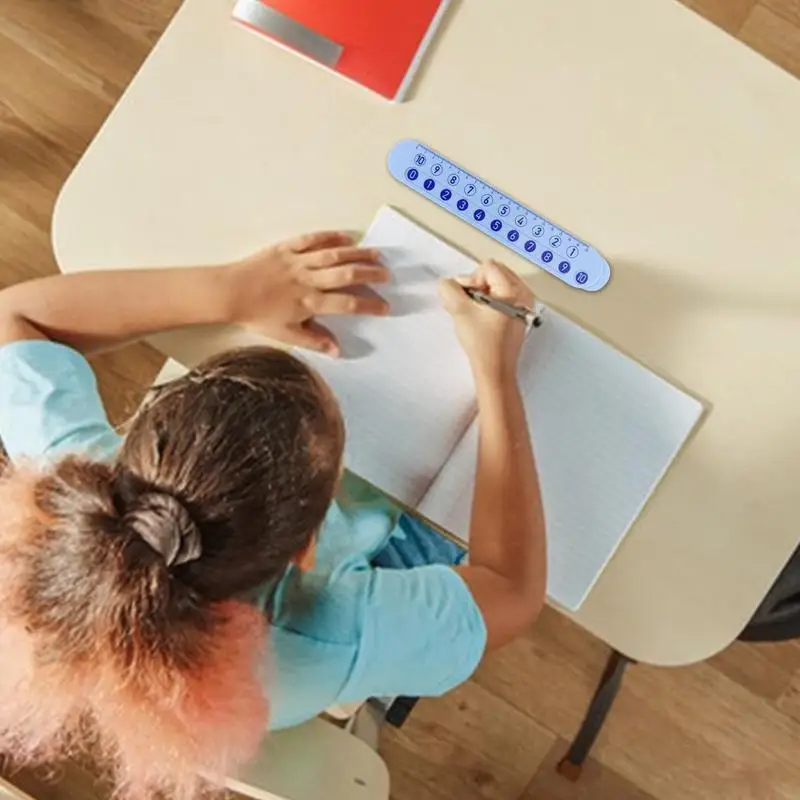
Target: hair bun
164,524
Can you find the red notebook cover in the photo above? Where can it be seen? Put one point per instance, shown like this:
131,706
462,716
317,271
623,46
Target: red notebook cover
381,41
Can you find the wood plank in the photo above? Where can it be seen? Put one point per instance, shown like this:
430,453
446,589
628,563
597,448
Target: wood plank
142,20
764,669
30,171
47,100
682,734
788,9
550,673
789,702
24,246
728,14
773,36
45,123
68,781
467,744
123,377
90,52
597,782
691,734
785,655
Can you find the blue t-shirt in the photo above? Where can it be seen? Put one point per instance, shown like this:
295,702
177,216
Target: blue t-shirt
341,633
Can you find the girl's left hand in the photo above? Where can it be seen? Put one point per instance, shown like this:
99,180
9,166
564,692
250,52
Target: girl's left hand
280,290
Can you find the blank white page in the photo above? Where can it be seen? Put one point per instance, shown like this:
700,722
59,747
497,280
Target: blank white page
403,382
605,429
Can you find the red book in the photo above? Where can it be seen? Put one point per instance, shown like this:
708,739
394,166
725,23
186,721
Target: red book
377,43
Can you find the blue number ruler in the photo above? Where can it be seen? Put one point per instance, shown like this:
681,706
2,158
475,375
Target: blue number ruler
494,213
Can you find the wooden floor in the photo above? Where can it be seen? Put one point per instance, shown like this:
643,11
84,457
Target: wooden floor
728,729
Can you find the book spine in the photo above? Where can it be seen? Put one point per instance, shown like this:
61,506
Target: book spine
425,42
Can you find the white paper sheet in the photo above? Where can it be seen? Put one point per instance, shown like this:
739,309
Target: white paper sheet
605,429
403,383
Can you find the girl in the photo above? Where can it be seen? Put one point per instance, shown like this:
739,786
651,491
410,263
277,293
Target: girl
141,577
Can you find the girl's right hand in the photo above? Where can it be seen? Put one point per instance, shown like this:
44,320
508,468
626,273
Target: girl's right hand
491,340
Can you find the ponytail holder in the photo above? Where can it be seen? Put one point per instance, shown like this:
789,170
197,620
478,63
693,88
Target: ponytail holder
164,524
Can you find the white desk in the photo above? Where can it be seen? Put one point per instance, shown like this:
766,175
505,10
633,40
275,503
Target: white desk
669,146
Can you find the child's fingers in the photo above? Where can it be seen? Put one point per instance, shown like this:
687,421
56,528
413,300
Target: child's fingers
313,336
346,276
473,281
451,290
504,283
326,257
364,302
498,275
318,240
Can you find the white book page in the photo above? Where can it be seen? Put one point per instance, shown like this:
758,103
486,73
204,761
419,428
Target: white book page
605,429
403,382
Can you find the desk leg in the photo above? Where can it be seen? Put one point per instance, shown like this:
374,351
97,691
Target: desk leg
572,764
398,711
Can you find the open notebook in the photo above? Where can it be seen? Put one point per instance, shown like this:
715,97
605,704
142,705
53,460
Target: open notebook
605,429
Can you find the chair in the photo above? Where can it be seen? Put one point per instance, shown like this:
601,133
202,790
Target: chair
171,371
10,792
312,761
777,619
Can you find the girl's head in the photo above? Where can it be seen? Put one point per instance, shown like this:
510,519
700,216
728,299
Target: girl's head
250,444
124,586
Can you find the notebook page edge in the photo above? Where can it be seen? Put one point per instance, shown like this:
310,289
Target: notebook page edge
695,407
668,466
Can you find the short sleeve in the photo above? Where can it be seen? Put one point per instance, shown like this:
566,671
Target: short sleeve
49,403
421,634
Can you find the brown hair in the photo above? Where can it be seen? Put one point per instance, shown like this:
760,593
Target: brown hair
121,584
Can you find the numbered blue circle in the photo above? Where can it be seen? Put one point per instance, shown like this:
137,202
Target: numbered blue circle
429,184
504,210
479,214
530,245
537,231
521,221
412,174
462,204
496,225
572,251
437,169
419,159
581,278
453,180
547,256
513,235
469,189
563,267
486,199
555,241
445,194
